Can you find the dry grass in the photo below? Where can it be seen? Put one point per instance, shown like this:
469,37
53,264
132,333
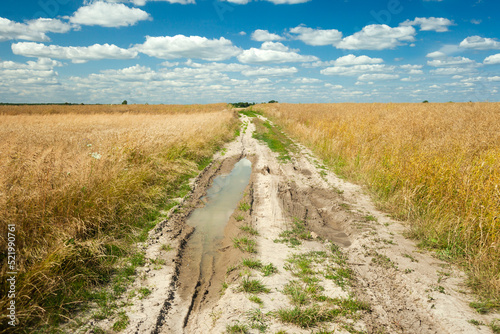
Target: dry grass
79,188
436,165
109,109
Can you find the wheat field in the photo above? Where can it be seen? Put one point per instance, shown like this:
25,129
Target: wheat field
436,166
81,181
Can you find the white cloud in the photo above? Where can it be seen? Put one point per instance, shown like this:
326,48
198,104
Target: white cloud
438,24
108,15
273,52
316,37
411,79
451,61
40,73
76,54
306,80
436,54
411,67
480,43
260,35
416,72
452,70
356,69
180,46
492,60
378,76
351,59
276,2
378,37
495,78
332,86
270,71
141,2
34,30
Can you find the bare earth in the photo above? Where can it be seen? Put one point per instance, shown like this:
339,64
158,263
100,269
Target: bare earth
408,290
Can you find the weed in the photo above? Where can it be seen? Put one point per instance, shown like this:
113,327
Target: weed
485,306
249,229
257,320
245,244
409,257
244,206
495,326
253,286
122,322
251,263
475,322
269,269
144,292
166,247
276,140
237,328
256,300
239,218
307,317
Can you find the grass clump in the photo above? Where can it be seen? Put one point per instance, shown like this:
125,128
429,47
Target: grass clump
253,286
274,138
237,328
245,244
249,229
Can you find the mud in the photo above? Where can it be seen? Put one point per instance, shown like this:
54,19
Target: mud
408,290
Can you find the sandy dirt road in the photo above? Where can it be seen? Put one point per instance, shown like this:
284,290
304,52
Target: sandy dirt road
334,263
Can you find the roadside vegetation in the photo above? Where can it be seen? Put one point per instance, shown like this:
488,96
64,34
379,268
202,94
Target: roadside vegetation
83,185
434,165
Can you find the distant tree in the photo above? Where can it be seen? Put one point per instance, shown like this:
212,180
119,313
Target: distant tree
124,102
425,101
273,101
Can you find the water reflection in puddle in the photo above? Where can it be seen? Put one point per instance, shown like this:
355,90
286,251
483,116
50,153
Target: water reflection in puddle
210,220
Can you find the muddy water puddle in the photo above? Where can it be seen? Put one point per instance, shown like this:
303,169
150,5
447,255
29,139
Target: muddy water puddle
209,222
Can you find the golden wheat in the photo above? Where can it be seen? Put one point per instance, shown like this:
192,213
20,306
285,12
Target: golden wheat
73,184
436,165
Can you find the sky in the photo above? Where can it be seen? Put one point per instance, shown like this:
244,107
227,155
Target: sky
208,51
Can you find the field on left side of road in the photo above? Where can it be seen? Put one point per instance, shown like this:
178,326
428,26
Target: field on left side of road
81,184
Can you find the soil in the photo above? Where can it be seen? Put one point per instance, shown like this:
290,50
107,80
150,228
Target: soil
408,290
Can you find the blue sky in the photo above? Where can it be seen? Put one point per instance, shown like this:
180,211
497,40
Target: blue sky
204,51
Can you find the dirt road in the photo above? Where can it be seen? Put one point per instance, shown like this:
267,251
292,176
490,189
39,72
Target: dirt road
305,252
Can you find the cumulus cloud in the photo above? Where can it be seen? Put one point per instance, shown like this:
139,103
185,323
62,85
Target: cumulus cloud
492,60
306,80
260,35
276,2
480,43
273,52
108,15
377,76
76,54
436,54
378,37
270,71
438,24
316,37
39,73
351,59
356,69
451,61
34,30
142,2
180,46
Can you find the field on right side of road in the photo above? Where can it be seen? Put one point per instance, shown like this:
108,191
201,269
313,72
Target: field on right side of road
434,165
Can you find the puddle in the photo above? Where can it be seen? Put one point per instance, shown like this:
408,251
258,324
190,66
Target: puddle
210,221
